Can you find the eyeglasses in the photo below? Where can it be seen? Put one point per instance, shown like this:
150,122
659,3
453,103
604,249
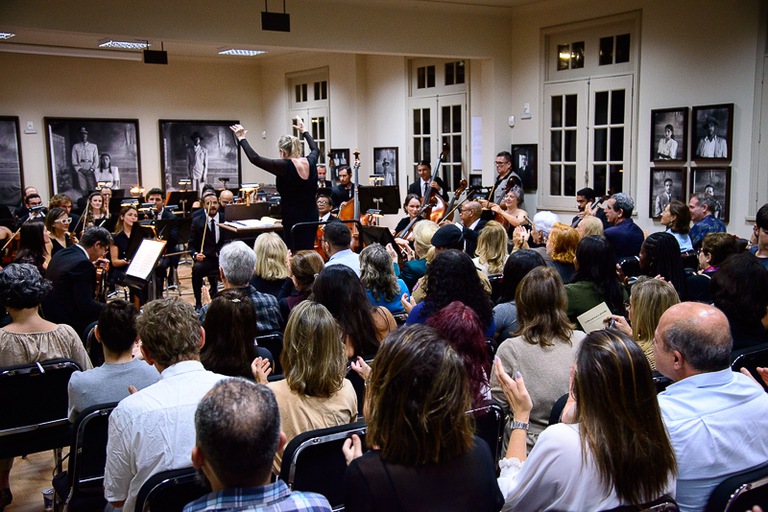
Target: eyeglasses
68,220
499,164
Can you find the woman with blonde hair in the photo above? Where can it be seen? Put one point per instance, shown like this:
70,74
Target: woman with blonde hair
314,393
296,182
416,266
561,248
649,300
491,248
545,339
589,226
378,277
303,268
271,273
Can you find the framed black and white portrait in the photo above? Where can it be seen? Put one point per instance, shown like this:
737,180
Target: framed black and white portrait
86,154
667,185
717,184
669,135
201,152
11,176
524,164
712,132
336,159
385,164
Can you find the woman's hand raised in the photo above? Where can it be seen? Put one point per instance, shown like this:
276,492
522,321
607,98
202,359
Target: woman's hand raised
240,132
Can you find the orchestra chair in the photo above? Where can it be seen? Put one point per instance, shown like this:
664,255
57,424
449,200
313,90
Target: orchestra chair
273,342
741,491
313,461
751,358
169,491
81,486
495,280
489,426
34,398
358,384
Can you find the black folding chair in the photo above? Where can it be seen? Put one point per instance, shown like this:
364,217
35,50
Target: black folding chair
740,491
751,359
495,280
274,343
489,426
169,491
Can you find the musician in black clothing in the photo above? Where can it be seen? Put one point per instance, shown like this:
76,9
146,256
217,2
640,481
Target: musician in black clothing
345,190
205,251
168,232
426,180
412,205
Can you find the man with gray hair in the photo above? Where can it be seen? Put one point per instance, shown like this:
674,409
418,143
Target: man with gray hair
625,236
236,264
238,434
702,207
715,417
152,430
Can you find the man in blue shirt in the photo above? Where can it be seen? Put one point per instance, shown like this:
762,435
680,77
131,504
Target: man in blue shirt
238,433
702,207
625,236
715,417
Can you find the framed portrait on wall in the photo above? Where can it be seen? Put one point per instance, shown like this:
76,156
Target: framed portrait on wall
385,164
712,132
715,182
667,185
524,164
85,154
11,175
199,151
336,159
669,135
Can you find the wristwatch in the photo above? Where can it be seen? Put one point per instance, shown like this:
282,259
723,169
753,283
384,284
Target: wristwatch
519,425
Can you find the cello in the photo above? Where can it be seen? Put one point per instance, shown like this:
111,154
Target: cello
350,211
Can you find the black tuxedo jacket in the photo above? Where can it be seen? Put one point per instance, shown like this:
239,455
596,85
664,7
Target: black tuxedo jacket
339,194
212,246
415,188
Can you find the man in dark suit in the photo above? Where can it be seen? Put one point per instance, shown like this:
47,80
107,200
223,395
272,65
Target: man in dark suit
625,236
322,182
205,251
427,181
345,190
472,225
168,231
73,274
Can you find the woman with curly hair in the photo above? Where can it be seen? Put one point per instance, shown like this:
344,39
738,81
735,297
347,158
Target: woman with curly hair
452,276
561,248
491,248
363,325
271,273
378,277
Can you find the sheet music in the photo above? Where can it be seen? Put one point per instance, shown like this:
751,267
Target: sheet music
145,259
265,222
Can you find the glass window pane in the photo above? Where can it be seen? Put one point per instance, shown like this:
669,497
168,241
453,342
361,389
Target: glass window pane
456,126
617,106
554,180
601,145
303,92
421,80
426,149
622,48
606,51
446,119
316,90
556,151
426,122
599,180
298,93
616,178
577,55
321,127
456,149
325,89
557,111
569,155
417,149
571,104
416,121
460,72
430,76
455,176
563,56
570,180
617,143
449,74
601,108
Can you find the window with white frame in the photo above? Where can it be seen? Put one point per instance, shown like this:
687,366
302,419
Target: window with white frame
309,92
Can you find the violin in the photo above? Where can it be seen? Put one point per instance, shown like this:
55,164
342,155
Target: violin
451,208
101,282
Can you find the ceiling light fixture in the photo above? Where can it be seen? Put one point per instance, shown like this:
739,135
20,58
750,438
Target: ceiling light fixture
240,52
6,35
124,45
64,51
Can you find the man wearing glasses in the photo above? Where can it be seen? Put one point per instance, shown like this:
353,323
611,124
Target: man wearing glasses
504,174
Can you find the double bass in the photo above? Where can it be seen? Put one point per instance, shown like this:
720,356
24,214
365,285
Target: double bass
350,211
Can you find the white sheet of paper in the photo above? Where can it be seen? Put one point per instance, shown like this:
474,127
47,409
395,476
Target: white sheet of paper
143,262
592,320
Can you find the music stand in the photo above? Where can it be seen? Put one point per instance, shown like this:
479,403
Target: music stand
141,270
182,198
163,227
385,198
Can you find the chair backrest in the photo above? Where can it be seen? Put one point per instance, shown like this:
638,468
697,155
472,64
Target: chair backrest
34,398
751,359
88,453
169,491
274,343
495,280
313,461
489,426
740,491
358,384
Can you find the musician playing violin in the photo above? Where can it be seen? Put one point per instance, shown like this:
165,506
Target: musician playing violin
412,205
511,213
421,187
170,235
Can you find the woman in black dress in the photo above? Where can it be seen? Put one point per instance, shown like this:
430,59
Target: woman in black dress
296,182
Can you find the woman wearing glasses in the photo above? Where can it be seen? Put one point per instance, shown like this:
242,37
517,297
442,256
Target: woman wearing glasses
58,222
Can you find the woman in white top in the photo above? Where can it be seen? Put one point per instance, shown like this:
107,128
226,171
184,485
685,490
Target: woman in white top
612,448
677,218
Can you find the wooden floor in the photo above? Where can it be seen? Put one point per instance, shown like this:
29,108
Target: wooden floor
31,475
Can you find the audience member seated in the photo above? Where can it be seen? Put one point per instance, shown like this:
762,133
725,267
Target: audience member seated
660,256
314,393
561,248
271,274
537,238
702,207
336,240
590,226
116,332
715,417
516,268
416,266
362,325
624,235
759,238
237,426
452,276
153,430
471,225
595,279
611,449
236,263
302,269
491,248
544,349
650,299
459,325
34,245
378,278
589,206
740,290
677,218
29,338
425,455
715,248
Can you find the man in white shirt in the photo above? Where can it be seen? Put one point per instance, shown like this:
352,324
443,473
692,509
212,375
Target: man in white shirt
426,181
715,417
153,430
336,240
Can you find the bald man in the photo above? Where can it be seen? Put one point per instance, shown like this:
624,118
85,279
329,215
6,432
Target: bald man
226,197
715,417
472,224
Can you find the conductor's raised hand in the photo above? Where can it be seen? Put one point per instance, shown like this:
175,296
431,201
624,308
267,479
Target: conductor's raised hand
299,124
240,132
